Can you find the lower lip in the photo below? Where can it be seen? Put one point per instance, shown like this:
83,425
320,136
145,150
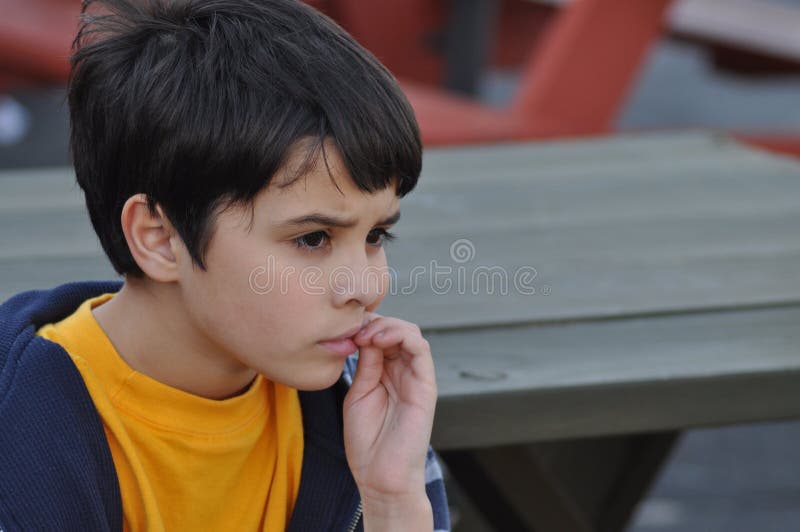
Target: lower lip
340,347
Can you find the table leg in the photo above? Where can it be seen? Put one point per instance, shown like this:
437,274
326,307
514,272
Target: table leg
586,485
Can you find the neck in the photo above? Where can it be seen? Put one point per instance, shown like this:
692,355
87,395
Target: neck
153,333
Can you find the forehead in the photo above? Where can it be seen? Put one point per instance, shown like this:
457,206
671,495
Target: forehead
321,185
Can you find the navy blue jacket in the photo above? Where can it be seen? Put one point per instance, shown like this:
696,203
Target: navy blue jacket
56,470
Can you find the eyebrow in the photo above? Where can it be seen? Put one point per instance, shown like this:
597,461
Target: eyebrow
316,218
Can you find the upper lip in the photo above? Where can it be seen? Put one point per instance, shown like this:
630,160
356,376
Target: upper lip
349,333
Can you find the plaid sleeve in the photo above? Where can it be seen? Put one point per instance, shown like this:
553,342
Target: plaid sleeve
434,486
434,482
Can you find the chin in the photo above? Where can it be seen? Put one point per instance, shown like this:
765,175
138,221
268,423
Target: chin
322,378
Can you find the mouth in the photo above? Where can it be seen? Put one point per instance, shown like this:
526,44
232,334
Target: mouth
347,335
343,344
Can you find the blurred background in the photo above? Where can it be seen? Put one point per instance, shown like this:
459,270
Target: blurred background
499,70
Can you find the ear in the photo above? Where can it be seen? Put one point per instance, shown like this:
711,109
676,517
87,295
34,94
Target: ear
153,242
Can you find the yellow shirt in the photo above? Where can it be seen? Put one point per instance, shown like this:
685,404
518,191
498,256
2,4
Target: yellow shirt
185,462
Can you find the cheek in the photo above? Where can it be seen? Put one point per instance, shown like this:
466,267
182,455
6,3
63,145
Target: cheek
223,300
262,306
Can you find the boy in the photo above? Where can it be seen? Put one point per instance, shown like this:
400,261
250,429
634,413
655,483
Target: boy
237,157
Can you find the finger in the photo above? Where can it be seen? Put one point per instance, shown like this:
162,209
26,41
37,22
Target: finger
362,338
415,349
383,323
368,370
370,316
369,319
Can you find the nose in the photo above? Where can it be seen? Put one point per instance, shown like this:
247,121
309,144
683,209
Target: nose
360,281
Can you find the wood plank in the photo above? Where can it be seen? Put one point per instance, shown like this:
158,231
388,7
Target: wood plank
47,232
545,155
572,289
663,235
526,384
640,225
39,189
581,273
46,272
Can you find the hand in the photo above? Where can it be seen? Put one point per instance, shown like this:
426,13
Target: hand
388,412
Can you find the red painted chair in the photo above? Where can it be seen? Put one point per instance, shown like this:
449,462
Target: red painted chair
573,86
405,35
579,63
35,39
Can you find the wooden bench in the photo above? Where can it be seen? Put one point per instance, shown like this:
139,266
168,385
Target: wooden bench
745,35
666,297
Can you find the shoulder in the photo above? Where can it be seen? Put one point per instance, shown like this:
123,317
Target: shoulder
57,450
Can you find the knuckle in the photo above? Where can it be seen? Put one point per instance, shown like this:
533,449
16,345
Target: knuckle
414,329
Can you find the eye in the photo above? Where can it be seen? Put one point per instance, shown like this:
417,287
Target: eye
378,237
312,241
319,239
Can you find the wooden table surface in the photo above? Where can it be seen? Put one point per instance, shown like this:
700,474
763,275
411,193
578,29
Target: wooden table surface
666,291
667,286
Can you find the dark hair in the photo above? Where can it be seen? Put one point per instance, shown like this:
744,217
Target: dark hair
198,103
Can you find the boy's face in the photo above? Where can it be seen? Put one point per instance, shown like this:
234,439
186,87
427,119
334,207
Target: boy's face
273,289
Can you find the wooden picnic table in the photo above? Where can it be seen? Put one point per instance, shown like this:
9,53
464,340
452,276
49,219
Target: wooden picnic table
666,296
573,83
583,60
